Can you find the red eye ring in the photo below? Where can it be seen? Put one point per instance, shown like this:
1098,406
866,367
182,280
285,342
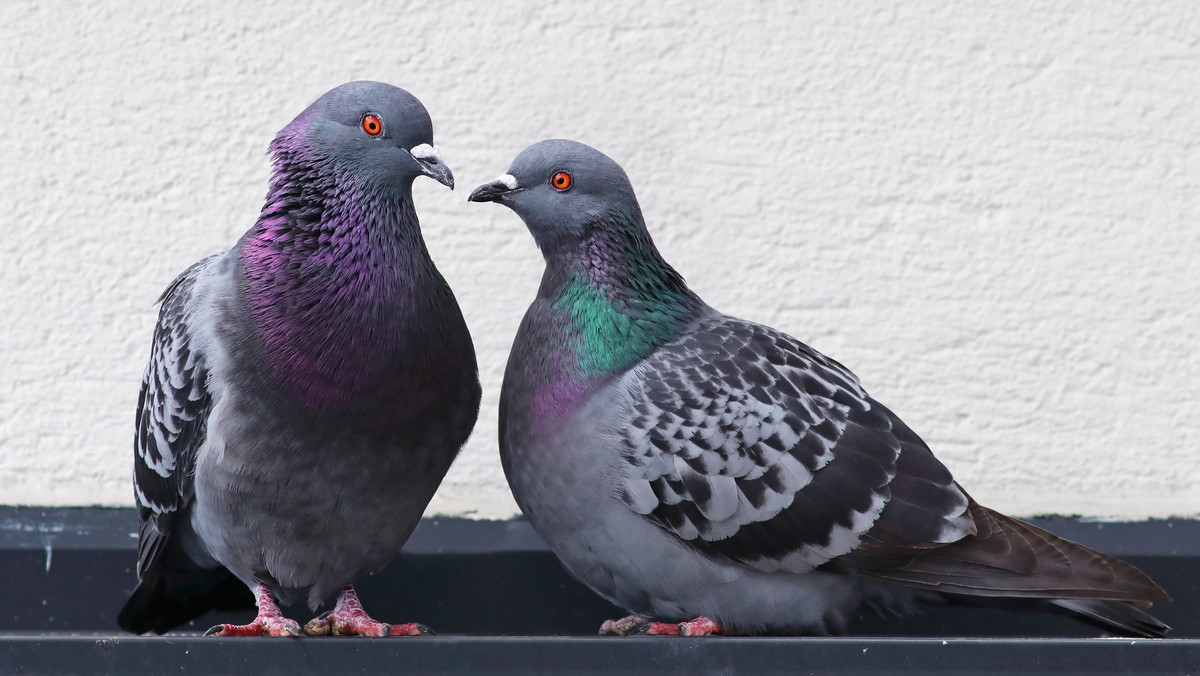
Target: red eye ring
561,181
372,125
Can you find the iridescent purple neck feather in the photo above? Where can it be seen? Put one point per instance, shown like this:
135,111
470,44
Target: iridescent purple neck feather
336,276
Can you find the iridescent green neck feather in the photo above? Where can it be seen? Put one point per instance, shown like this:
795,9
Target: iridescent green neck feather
621,299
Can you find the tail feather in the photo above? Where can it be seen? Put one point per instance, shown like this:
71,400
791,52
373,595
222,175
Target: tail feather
1124,617
1008,558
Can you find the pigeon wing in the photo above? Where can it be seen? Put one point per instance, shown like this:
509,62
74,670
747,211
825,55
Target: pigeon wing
752,447
171,418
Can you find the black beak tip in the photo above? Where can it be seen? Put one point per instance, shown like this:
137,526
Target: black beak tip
488,192
443,175
434,168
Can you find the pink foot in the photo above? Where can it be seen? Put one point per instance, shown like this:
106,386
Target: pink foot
349,619
635,624
270,620
701,626
662,629
625,626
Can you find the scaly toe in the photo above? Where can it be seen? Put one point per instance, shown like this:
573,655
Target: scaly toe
370,628
282,627
631,624
319,625
701,626
359,626
639,629
410,629
255,628
662,629
279,627
608,628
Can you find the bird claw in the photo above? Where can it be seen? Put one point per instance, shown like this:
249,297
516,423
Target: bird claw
278,627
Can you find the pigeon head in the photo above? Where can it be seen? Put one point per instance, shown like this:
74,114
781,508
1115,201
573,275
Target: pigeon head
563,190
615,297
365,130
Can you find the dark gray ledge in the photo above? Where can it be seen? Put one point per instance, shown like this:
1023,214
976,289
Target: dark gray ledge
503,604
577,655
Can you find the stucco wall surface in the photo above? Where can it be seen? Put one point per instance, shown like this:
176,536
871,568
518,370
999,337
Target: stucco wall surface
987,210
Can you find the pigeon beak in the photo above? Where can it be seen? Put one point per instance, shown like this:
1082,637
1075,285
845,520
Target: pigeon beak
496,190
430,159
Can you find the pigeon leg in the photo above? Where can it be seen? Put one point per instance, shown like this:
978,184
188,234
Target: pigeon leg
270,620
349,619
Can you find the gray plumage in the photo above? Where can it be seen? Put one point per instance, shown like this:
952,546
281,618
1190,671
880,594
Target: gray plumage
684,463
308,389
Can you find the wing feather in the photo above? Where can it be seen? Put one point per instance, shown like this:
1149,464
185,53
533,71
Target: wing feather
750,446
171,418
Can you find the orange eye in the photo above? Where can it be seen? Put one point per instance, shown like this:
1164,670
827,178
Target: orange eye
372,125
561,180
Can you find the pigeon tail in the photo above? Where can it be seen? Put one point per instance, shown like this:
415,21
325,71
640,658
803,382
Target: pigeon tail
1009,558
1126,618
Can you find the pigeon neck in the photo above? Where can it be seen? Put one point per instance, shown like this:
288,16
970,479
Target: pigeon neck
333,286
620,298
361,238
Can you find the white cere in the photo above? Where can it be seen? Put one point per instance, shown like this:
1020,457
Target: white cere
426,151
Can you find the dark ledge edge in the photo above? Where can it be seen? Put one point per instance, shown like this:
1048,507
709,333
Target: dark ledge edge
69,568
107,528
522,655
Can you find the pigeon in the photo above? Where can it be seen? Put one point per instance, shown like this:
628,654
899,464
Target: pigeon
713,475
307,389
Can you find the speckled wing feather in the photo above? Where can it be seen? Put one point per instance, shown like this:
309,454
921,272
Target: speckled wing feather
752,447
171,416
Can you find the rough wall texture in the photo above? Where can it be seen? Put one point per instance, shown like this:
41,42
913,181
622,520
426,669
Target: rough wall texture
989,212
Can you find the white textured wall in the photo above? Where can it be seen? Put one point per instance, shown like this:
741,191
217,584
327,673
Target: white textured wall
988,212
